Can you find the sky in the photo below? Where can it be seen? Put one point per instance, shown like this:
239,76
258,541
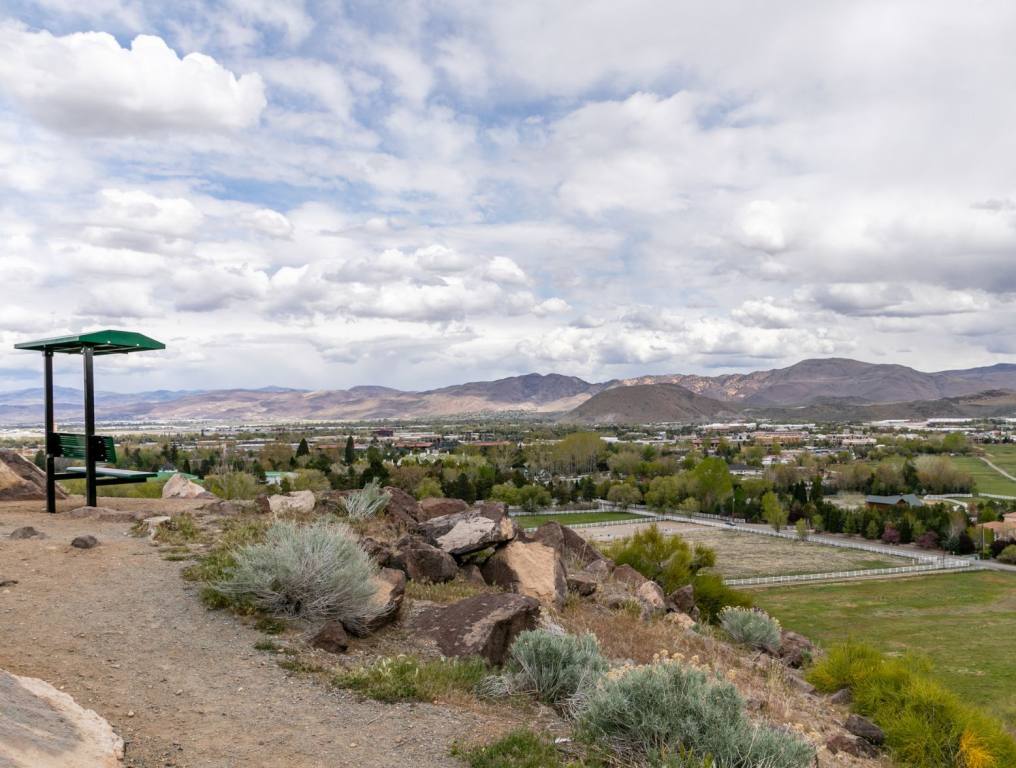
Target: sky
415,194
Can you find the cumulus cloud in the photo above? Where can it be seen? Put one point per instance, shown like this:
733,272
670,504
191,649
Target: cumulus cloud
85,83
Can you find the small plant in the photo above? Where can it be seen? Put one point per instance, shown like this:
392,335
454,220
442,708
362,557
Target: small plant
317,571
404,678
270,625
521,748
366,502
667,714
751,627
712,596
177,530
266,645
552,667
447,591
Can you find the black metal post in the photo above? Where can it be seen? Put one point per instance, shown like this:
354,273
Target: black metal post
47,358
89,429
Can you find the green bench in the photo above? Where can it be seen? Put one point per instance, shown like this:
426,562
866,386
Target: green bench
70,446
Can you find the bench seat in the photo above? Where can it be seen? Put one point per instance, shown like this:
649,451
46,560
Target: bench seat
106,475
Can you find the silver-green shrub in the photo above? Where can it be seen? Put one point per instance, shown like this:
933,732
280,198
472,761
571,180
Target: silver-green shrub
550,666
367,501
751,627
666,713
316,571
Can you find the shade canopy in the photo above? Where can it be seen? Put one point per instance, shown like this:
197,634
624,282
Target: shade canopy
100,342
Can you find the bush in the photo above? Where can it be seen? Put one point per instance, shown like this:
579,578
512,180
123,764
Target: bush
310,480
404,678
366,502
712,596
926,726
232,485
666,559
316,571
751,627
1008,555
519,749
656,713
552,667
927,540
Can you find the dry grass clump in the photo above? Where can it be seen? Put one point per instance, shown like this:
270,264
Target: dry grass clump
449,591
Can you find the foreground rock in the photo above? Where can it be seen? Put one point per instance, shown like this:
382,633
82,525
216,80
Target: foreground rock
471,531
851,745
179,487
485,625
529,568
85,542
795,650
422,561
576,552
430,508
682,600
26,532
391,589
40,727
331,637
21,480
402,508
295,503
863,728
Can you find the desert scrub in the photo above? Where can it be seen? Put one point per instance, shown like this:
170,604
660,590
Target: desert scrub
366,502
664,558
180,529
521,748
232,485
405,678
214,566
447,591
317,572
669,714
712,596
926,726
751,627
552,667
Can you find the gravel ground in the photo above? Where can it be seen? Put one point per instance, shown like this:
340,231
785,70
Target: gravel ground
117,628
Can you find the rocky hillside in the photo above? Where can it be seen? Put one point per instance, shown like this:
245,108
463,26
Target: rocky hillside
644,403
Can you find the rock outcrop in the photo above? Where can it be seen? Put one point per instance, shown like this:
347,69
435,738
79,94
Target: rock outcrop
391,589
576,552
529,568
440,507
422,561
179,487
485,625
42,727
402,508
21,480
470,531
295,503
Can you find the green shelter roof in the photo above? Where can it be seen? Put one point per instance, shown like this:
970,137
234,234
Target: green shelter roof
101,343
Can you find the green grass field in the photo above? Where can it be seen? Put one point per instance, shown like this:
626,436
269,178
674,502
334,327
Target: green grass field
1003,456
965,623
987,479
535,521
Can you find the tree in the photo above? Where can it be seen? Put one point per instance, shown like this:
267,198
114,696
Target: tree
578,453
532,498
624,495
464,488
666,492
802,529
712,482
955,442
773,512
429,488
350,453
302,449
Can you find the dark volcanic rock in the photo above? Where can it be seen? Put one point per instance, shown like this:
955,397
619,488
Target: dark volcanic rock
628,576
485,625
582,584
85,542
682,599
402,508
575,550
440,507
795,650
851,745
865,729
26,532
331,637
391,591
423,562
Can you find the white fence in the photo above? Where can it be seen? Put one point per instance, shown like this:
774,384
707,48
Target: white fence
948,564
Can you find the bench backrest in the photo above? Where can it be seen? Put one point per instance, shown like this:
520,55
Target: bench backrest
71,446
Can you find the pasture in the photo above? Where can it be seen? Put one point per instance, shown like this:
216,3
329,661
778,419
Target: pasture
963,623
987,479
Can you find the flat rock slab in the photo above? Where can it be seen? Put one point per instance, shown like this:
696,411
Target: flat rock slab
41,727
466,532
485,625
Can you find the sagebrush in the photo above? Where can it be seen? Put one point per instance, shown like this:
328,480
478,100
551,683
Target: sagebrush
751,627
405,678
553,667
366,502
315,571
666,712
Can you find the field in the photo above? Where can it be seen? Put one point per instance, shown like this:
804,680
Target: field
987,479
741,555
1003,456
535,521
964,623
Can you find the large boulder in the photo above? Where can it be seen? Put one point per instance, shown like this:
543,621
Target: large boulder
484,625
529,568
599,570
466,532
440,507
391,589
863,728
331,637
42,727
495,510
295,503
403,508
576,552
422,561
682,600
179,487
582,584
651,599
21,480
26,532
625,574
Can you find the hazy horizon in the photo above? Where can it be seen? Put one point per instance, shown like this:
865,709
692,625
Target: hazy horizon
301,195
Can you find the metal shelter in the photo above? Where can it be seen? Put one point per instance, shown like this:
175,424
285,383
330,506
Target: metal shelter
90,447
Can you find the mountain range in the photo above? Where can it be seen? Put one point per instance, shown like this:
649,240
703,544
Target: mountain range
816,389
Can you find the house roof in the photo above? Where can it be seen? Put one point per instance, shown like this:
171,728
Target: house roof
100,342
909,498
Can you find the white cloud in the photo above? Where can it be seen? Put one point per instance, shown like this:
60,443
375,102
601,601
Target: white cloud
85,83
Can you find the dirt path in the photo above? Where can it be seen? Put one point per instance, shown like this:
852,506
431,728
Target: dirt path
117,628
